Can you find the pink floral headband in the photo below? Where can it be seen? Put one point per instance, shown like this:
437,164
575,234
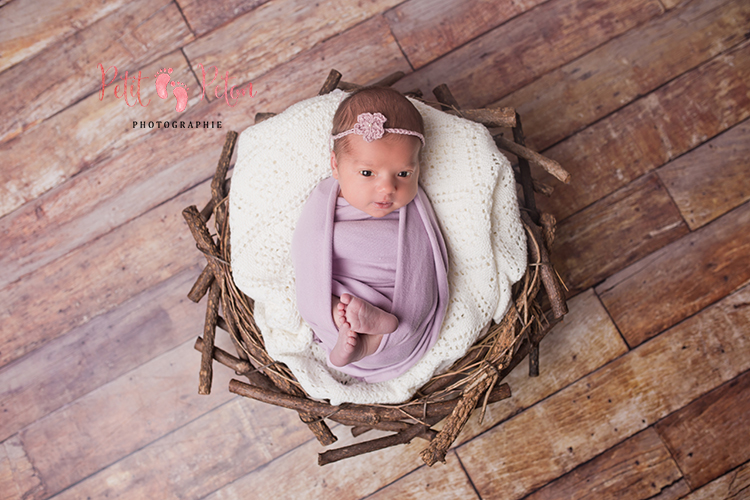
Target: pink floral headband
370,127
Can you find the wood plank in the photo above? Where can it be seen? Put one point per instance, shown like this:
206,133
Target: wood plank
582,343
159,167
98,277
733,484
203,19
28,27
638,468
614,232
84,134
673,492
431,483
106,196
519,51
671,4
611,404
712,179
680,279
201,456
121,417
424,35
350,479
711,435
144,31
276,32
589,88
302,77
146,326
18,478
649,132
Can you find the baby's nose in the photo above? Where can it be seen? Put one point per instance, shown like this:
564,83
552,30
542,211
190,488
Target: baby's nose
387,186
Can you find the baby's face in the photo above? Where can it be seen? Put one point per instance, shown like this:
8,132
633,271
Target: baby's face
378,177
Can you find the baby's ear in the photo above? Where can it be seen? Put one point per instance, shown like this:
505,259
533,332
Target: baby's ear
334,166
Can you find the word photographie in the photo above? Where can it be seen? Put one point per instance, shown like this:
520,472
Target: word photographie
176,124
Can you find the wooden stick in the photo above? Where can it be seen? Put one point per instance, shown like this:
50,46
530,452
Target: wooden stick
333,79
202,237
489,117
201,285
403,437
383,82
259,117
217,183
542,188
222,323
347,86
438,447
358,430
552,285
548,222
504,339
362,414
527,182
389,80
445,97
206,244
207,211
534,360
226,359
240,367
209,333
551,166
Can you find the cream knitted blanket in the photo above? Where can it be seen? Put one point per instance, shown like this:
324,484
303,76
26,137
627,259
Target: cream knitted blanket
472,190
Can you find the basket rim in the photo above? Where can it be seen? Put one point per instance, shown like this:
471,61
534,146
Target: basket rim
477,373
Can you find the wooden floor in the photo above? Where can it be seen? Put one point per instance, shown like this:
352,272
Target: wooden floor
644,389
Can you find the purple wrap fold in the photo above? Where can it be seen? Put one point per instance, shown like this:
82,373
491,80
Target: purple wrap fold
363,264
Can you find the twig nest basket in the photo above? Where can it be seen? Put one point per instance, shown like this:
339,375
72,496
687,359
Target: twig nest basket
472,381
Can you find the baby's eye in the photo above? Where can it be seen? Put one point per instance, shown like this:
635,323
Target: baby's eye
404,174
366,173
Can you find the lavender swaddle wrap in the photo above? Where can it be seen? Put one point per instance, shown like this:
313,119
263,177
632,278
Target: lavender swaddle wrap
398,263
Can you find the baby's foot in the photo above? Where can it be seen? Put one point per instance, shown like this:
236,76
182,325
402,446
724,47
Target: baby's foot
180,93
162,79
349,347
339,317
364,317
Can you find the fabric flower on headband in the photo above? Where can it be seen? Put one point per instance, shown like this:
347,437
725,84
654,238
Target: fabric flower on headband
370,126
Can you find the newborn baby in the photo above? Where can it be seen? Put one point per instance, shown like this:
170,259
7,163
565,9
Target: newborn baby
370,262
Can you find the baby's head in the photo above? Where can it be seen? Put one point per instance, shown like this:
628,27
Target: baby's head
377,175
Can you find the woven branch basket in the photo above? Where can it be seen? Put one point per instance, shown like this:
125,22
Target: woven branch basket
471,383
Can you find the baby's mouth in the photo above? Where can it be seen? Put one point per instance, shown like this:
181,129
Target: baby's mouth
383,204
